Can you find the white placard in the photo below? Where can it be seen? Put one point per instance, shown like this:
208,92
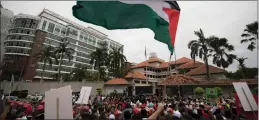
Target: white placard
58,103
84,95
245,96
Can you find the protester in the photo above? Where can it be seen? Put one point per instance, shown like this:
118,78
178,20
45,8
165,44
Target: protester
122,107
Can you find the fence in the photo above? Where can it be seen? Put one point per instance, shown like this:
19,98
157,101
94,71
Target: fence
37,87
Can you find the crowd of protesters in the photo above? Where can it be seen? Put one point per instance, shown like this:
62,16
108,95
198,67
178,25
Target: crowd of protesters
123,107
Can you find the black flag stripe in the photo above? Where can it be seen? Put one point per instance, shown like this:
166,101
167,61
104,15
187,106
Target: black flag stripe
174,5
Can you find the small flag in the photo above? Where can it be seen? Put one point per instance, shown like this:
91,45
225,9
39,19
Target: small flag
211,93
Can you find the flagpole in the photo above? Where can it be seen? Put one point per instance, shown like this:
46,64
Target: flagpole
146,65
168,69
176,76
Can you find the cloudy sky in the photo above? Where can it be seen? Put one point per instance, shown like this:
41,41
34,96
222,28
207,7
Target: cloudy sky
221,18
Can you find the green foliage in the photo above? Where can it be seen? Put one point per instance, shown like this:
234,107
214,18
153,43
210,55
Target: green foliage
250,35
200,47
181,71
117,62
219,49
63,51
198,91
79,73
248,73
233,90
99,58
67,77
46,55
99,91
219,91
255,90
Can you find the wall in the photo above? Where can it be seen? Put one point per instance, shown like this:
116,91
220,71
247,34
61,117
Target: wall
111,88
213,76
188,89
34,87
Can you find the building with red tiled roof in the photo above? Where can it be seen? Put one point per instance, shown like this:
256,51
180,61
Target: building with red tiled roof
135,75
117,81
156,69
118,84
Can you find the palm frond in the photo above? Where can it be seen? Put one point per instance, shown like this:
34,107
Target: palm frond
245,35
251,46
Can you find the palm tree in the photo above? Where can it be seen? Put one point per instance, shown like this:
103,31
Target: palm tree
200,48
63,51
99,58
219,50
79,73
242,66
250,35
117,62
46,55
241,62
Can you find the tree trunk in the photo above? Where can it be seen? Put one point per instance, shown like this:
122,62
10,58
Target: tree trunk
59,68
43,70
207,66
99,73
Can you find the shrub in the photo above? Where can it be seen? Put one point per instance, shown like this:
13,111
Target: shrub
99,91
219,91
198,91
255,90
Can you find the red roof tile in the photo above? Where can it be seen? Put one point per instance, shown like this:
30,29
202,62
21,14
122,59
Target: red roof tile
117,81
197,67
178,79
137,75
202,70
190,64
150,60
181,60
187,80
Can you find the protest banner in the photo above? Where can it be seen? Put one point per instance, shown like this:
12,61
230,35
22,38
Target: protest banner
58,103
84,95
245,97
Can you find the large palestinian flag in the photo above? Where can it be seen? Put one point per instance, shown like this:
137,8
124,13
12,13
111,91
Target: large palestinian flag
161,17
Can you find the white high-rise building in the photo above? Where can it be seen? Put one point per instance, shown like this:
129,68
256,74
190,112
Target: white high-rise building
29,33
6,16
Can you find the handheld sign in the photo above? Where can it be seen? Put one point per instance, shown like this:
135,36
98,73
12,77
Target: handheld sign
58,103
245,96
84,95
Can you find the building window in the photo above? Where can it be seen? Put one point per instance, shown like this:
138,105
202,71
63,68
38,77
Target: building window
44,25
137,82
81,37
72,32
57,30
51,27
63,31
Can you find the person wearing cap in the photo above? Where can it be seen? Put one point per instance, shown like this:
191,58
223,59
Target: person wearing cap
155,115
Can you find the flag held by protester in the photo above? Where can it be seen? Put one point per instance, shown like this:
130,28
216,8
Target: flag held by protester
160,16
211,93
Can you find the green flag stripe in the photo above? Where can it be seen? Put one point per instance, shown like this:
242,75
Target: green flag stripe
117,15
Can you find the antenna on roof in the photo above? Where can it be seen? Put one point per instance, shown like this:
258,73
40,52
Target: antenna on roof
153,54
